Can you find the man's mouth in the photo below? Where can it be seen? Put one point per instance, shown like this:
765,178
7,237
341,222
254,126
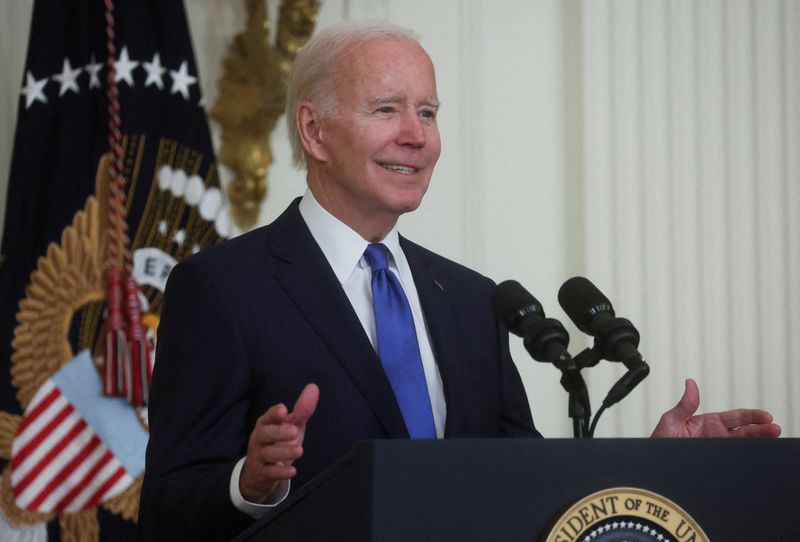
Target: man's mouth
408,170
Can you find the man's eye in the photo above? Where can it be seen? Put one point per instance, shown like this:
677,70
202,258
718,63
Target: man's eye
428,114
386,109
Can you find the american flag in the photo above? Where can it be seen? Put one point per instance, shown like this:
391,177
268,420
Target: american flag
66,456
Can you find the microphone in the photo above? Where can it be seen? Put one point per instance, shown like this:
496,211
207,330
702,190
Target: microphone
615,339
544,338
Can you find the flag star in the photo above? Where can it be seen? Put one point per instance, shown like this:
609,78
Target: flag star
660,537
93,69
195,249
124,67
154,71
179,236
68,78
181,80
162,227
33,90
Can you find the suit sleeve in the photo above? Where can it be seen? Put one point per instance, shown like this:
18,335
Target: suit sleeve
198,414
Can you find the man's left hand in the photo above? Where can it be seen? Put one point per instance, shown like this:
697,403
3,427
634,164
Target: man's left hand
681,420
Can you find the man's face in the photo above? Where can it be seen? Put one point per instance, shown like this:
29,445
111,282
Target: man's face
382,142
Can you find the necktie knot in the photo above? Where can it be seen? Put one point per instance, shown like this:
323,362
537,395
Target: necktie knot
377,256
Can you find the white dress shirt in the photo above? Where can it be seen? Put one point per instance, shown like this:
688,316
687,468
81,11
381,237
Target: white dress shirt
344,250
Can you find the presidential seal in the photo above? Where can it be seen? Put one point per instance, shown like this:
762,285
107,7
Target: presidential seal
625,514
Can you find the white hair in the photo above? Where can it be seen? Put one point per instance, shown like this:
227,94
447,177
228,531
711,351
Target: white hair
313,75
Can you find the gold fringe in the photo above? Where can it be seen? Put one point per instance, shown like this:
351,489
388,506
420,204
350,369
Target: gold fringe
8,428
68,278
16,515
80,527
126,504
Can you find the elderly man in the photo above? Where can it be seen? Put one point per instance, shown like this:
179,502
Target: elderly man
367,334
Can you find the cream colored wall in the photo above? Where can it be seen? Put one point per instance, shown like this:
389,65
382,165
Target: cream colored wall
528,138
16,18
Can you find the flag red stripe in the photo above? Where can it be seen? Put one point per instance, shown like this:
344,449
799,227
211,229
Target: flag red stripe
45,461
65,471
119,473
83,482
31,416
20,456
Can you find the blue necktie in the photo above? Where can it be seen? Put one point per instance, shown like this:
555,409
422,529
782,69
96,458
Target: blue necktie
397,345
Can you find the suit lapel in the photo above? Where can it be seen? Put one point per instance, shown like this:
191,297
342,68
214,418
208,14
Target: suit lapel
434,297
307,278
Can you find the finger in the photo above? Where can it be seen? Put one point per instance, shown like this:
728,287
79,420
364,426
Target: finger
276,471
306,405
769,430
265,435
275,414
688,403
282,454
265,475
739,417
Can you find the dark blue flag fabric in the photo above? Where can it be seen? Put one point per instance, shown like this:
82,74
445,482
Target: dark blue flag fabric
72,459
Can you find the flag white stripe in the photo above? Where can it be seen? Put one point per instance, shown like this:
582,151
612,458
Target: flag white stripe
91,488
122,484
44,447
38,397
69,483
30,432
52,469
101,462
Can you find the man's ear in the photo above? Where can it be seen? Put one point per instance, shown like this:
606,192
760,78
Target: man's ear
310,130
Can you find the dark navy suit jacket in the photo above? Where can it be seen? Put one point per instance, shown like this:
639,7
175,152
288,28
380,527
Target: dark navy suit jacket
249,323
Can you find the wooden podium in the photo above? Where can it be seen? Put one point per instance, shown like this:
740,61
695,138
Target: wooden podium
514,489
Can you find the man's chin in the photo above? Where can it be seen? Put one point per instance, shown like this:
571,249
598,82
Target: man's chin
407,206
411,199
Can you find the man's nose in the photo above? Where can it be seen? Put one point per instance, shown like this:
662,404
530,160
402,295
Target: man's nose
412,131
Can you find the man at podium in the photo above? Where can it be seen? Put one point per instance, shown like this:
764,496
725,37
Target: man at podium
281,348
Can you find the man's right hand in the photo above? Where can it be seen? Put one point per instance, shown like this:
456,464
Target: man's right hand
275,443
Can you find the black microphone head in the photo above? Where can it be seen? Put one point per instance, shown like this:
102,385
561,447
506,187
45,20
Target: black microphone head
582,301
512,302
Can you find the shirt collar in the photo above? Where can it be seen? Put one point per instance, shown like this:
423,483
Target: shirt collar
342,246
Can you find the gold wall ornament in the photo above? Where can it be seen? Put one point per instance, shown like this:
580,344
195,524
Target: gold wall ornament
252,92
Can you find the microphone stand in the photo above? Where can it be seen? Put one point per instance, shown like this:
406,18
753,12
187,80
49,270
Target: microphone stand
547,340
579,407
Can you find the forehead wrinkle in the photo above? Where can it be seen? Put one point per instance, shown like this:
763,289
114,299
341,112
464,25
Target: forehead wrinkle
385,100
354,69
